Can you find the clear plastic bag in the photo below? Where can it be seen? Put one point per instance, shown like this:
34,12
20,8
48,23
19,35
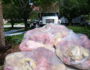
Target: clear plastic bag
71,51
42,29
38,59
55,28
58,32
60,35
47,36
35,40
84,40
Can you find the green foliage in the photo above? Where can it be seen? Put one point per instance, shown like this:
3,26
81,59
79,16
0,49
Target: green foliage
9,12
38,2
1,67
74,8
22,7
34,15
70,8
12,39
5,1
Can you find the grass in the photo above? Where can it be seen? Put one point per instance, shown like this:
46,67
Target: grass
14,24
14,28
16,39
19,37
88,20
1,67
81,30
76,29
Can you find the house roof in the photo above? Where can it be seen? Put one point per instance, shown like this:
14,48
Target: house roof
35,8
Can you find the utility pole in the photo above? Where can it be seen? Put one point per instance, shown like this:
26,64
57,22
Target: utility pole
2,38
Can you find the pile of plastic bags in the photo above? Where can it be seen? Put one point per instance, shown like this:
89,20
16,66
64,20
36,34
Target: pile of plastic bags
38,59
48,47
47,36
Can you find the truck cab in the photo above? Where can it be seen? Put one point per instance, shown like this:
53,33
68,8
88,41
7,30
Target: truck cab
49,17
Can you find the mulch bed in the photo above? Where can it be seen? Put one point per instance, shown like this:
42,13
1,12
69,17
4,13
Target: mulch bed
5,51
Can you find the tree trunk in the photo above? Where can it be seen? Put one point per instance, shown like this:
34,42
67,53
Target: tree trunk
25,22
2,38
12,23
70,22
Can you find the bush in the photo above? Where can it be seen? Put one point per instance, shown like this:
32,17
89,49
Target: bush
12,39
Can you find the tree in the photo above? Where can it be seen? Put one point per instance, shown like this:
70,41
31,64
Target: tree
70,8
34,15
73,8
9,12
2,38
23,8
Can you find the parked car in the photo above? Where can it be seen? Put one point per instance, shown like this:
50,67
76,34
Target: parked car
79,21
34,24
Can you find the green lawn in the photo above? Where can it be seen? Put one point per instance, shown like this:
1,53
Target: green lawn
88,20
14,28
76,29
14,24
17,38
21,23
1,67
81,30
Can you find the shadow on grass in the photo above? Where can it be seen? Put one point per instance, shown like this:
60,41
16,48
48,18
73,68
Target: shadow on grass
16,28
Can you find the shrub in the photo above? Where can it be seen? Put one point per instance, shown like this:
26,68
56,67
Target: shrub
12,39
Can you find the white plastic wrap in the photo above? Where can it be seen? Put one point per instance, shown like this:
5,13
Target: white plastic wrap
38,59
36,40
47,36
71,51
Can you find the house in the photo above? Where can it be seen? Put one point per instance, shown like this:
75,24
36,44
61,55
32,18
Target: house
35,8
79,20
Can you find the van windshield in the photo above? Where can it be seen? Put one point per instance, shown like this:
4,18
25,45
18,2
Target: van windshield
49,14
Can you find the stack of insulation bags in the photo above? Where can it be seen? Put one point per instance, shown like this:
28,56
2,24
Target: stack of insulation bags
50,48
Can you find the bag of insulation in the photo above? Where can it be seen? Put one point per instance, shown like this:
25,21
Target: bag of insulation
60,35
72,52
36,38
38,59
85,40
46,36
58,31
55,28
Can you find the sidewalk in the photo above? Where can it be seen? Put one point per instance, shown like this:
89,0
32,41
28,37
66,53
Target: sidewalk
5,26
11,32
14,34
